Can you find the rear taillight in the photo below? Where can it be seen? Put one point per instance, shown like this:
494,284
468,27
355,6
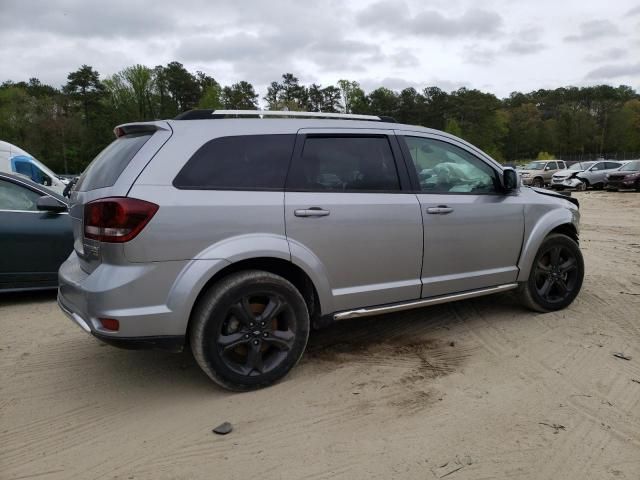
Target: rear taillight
116,219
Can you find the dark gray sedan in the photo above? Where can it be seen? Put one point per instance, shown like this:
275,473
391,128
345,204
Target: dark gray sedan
35,234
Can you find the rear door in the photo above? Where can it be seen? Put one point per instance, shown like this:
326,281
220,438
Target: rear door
473,233
33,243
347,206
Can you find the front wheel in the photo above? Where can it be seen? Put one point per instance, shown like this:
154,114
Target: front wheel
582,186
538,182
556,275
249,329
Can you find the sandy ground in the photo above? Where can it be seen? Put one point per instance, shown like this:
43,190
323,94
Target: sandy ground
473,390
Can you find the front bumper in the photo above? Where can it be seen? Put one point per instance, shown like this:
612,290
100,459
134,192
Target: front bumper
564,183
621,184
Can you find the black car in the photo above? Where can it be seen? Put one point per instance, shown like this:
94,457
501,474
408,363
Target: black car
35,234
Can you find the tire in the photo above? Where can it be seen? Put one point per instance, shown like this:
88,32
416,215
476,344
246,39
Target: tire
556,275
249,329
582,187
538,182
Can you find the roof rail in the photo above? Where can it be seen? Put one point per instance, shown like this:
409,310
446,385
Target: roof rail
277,113
208,114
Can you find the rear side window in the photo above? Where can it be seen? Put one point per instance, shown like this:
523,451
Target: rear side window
105,169
345,163
243,162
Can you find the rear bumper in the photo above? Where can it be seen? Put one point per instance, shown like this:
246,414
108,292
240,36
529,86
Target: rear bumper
137,295
173,343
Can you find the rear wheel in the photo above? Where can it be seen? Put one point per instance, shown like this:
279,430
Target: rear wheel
249,330
556,275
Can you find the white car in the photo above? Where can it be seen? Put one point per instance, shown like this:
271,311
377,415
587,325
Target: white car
582,175
15,160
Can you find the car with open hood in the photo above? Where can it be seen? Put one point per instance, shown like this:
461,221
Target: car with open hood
583,175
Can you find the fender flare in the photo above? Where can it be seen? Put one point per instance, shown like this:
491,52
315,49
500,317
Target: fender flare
543,227
199,271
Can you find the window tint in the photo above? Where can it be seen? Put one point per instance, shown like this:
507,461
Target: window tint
240,162
105,169
17,197
552,166
445,168
345,163
610,165
25,168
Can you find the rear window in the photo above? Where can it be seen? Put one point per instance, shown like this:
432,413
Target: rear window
105,169
243,162
345,163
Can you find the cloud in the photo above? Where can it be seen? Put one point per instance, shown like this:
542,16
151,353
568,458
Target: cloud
75,18
615,53
394,17
522,47
634,11
614,71
593,30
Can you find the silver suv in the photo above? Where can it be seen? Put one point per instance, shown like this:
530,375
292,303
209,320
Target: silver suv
236,233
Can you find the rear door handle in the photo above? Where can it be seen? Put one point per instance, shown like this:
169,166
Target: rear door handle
311,212
439,210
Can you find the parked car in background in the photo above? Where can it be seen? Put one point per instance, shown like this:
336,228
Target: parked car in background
625,178
539,173
35,234
236,235
583,175
15,160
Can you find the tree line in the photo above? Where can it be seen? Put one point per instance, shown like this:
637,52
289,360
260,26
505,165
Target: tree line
66,127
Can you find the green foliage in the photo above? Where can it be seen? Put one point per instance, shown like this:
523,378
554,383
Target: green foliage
67,127
545,156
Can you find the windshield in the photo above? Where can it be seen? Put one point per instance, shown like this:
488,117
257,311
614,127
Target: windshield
631,166
581,165
535,166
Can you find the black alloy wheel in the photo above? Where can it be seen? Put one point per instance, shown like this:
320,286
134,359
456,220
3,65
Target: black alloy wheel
556,275
258,332
249,329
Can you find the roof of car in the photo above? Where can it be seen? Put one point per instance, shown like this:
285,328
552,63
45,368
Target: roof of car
17,178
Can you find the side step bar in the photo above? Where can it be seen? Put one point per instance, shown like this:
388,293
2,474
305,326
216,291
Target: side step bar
398,307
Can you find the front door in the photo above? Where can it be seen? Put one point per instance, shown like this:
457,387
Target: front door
33,243
473,233
345,205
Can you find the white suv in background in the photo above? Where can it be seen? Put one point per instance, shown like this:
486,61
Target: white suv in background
582,175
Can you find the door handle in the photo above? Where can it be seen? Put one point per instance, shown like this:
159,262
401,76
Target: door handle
439,210
311,212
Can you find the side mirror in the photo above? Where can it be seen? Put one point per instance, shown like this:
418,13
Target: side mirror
50,204
547,168
510,179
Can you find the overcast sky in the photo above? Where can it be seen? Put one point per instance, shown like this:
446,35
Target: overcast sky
494,45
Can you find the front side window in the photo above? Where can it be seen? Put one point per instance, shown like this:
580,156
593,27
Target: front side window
446,168
16,197
243,162
345,164
612,165
552,166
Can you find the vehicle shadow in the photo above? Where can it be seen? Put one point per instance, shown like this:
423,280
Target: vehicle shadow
15,298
